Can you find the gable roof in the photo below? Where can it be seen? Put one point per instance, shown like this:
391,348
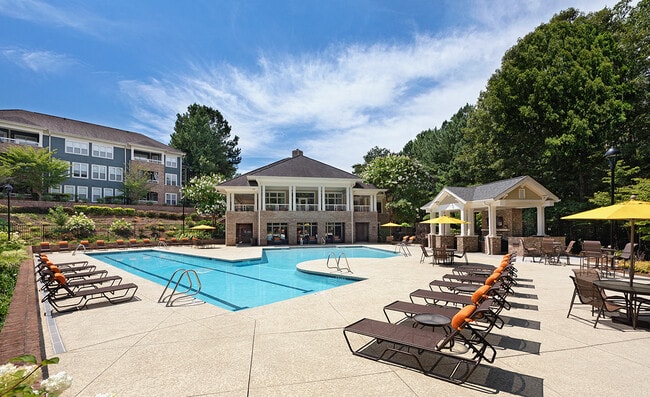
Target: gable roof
296,166
82,129
490,191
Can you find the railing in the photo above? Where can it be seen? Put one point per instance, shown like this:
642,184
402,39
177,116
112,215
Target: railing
337,260
244,207
361,208
146,160
306,207
277,207
335,207
190,291
18,141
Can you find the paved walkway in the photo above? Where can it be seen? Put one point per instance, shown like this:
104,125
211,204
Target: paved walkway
296,347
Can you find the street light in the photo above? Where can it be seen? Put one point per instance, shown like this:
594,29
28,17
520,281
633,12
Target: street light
611,154
9,189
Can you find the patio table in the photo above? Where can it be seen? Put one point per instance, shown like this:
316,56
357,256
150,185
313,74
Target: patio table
630,291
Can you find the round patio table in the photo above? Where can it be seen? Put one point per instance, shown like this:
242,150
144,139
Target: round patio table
434,320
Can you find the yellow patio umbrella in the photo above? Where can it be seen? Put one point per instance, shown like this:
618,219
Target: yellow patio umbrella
390,224
446,219
202,227
631,211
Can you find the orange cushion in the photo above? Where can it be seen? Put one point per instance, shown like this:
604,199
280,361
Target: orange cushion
45,244
492,279
59,278
55,269
460,317
100,241
83,242
478,294
63,242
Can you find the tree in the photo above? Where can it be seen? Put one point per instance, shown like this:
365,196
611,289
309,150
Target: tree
553,107
136,183
202,191
407,182
371,155
33,170
204,135
437,150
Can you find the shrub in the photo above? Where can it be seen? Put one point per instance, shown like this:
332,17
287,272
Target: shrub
121,227
80,226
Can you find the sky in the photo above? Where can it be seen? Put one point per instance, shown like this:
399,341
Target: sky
333,78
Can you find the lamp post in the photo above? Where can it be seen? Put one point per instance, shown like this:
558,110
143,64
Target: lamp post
9,189
611,154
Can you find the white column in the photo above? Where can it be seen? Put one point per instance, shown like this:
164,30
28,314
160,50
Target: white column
229,202
541,222
256,202
321,198
492,221
262,197
349,202
292,198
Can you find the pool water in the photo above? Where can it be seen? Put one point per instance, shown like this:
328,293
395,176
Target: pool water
237,285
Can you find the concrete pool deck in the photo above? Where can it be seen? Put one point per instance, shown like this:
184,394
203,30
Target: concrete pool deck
296,347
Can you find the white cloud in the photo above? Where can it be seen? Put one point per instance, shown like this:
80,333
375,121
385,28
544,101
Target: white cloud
38,61
338,104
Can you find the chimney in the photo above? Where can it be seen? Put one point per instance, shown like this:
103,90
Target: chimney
296,153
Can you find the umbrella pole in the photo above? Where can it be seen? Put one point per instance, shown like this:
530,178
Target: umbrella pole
633,255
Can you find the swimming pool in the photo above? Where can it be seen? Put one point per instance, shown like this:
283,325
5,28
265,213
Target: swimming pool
237,285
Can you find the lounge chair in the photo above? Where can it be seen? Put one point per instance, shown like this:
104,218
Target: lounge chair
119,243
133,243
389,341
45,246
63,246
55,285
146,242
100,244
77,300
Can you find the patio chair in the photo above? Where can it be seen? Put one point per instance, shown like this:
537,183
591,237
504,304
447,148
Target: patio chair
592,254
461,256
425,253
441,256
77,300
568,252
550,252
389,341
590,294
624,256
529,251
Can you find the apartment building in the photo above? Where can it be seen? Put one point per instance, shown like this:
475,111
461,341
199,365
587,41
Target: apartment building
99,156
298,201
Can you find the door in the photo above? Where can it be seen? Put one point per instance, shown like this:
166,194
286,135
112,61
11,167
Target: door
361,232
244,233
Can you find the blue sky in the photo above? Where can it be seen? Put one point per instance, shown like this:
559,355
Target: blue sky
333,78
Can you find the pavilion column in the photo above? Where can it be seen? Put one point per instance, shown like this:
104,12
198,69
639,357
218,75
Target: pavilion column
262,200
541,221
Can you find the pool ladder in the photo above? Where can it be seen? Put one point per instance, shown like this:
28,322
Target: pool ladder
337,260
192,278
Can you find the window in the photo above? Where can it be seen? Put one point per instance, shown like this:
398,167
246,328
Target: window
99,172
276,198
108,192
171,179
171,162
79,170
170,199
115,174
55,189
82,193
69,189
96,194
74,147
102,151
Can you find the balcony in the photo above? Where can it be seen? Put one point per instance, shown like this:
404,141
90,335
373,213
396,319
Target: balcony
18,141
361,208
244,207
306,207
